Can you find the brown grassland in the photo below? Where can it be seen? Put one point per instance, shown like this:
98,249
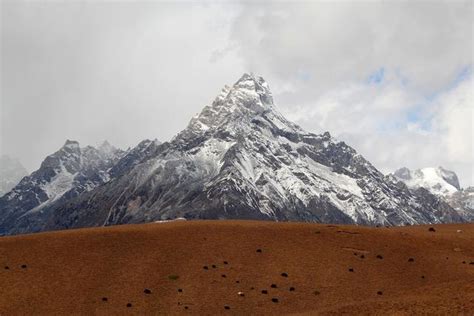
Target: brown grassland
200,267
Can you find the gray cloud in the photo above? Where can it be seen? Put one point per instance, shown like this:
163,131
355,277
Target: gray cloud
125,71
106,70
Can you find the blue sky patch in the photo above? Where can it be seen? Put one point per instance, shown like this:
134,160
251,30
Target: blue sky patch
377,76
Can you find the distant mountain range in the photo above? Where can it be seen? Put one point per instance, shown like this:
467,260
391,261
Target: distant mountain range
238,159
440,182
436,180
11,172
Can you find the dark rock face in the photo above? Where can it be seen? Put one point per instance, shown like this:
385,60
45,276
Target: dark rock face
241,159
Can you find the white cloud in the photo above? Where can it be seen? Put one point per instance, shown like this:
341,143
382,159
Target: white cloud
453,121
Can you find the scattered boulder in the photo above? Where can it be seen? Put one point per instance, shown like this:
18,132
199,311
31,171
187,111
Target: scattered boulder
264,292
129,305
23,266
147,291
431,229
284,274
225,262
214,266
273,286
379,293
105,299
259,250
240,294
292,289
316,292
223,275
7,268
379,257
275,300
362,256
226,307
411,260
351,269
180,290
205,268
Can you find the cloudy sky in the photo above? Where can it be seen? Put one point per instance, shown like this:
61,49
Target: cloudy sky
393,79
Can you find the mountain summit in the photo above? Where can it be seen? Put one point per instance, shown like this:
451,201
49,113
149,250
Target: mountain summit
241,159
249,97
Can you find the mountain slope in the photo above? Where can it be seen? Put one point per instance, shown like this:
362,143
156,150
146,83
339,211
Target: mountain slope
62,176
11,172
241,159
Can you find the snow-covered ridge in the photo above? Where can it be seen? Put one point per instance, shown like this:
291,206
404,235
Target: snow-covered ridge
436,180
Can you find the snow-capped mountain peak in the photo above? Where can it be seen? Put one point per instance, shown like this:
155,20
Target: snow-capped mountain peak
247,100
240,159
437,180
